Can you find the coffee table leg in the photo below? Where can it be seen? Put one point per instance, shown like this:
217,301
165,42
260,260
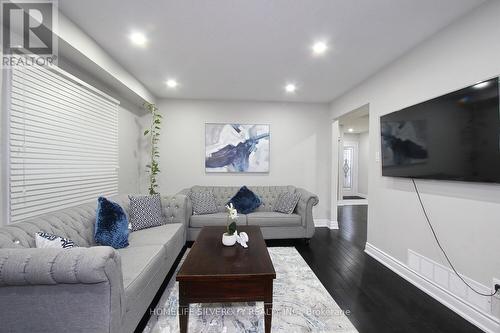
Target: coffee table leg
183,316
268,307
268,314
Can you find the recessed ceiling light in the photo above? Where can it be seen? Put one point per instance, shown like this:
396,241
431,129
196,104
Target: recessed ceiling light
171,83
138,39
319,48
351,130
481,85
290,88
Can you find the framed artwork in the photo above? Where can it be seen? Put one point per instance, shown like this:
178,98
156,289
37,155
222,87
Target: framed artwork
237,148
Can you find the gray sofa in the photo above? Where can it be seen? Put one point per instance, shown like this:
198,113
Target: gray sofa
88,288
274,225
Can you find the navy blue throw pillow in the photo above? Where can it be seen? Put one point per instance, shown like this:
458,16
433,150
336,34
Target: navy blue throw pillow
245,201
111,225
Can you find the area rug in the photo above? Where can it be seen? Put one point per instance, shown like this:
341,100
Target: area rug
300,304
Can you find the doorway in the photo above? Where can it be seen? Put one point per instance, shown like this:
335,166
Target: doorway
352,150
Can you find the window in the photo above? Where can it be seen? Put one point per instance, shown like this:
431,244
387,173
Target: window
62,141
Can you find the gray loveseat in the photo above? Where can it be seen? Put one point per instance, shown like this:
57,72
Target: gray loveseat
88,288
274,225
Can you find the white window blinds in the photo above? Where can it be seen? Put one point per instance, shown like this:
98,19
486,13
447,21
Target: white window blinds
63,142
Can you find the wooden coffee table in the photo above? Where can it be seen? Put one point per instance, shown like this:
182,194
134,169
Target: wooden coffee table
214,273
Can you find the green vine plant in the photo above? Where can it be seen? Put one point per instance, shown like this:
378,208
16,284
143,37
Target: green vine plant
153,132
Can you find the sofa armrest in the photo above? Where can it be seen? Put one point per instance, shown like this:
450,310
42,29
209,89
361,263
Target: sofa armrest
175,209
304,208
30,277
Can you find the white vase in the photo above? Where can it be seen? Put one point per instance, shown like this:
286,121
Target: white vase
228,240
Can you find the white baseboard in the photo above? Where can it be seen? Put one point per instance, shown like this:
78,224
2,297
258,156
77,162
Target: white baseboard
352,202
476,316
326,223
334,225
318,223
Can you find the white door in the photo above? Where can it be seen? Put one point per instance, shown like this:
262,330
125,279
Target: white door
349,169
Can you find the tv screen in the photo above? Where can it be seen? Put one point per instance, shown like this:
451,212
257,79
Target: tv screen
452,137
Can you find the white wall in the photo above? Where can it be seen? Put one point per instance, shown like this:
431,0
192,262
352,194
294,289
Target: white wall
363,163
351,137
129,140
300,145
466,215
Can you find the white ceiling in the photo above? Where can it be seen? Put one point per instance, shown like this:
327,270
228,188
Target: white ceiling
247,50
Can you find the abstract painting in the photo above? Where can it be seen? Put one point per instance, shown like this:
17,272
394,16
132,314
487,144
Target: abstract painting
236,148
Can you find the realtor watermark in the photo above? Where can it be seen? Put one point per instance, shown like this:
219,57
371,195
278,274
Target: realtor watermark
283,311
27,34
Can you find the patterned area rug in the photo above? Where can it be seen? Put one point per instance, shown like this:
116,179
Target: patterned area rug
300,304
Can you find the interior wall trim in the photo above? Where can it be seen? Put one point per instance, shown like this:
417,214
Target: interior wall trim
326,223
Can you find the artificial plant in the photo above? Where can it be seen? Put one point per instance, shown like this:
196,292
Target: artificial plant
232,217
154,135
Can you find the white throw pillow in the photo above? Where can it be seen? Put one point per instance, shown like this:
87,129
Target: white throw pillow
44,240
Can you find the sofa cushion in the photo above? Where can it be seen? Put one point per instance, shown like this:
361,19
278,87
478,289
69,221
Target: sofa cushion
273,219
199,221
155,236
139,266
245,201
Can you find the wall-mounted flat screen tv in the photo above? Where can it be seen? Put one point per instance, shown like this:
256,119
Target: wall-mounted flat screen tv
452,137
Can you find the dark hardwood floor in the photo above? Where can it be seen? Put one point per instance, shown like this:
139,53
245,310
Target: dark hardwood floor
378,299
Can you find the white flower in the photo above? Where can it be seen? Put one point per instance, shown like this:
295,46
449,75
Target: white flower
232,212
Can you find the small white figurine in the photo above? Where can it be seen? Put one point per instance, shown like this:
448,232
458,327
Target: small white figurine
242,239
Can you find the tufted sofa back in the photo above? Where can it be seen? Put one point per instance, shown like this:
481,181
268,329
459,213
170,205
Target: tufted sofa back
267,194
76,223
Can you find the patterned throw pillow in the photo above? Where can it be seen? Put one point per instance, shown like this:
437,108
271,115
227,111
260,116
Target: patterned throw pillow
44,240
286,202
145,211
203,203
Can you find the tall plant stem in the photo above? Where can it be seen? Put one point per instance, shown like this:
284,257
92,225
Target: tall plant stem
154,133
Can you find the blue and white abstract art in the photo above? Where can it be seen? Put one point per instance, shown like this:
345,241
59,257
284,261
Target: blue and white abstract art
236,148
